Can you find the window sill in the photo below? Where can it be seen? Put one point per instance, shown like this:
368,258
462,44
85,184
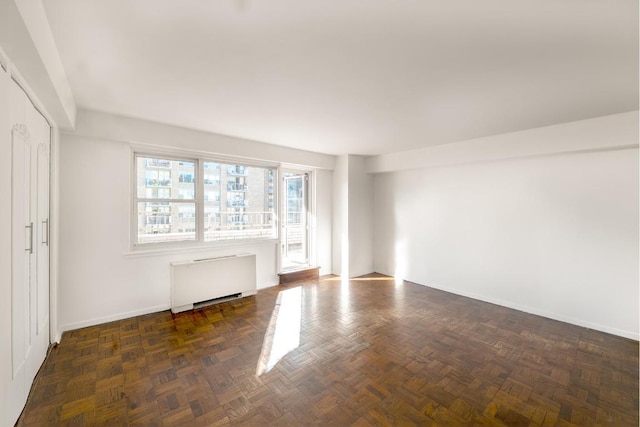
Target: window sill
201,247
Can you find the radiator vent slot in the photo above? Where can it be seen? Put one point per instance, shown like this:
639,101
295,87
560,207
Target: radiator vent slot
216,301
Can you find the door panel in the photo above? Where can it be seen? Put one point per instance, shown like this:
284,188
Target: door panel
21,248
39,285
42,293
21,268
295,233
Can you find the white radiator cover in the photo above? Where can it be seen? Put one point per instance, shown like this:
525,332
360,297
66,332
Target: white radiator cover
202,280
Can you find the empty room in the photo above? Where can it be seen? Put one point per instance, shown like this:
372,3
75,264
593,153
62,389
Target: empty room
242,212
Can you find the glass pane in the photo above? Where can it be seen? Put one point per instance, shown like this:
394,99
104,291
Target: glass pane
294,234
166,222
294,195
165,178
212,166
243,206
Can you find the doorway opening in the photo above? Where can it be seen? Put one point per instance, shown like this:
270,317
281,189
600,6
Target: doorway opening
295,221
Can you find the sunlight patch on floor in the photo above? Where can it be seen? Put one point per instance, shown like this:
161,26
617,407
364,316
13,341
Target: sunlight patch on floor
283,332
360,279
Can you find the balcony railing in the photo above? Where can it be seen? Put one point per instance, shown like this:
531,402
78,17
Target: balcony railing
237,203
158,163
158,182
237,170
237,187
157,219
242,226
174,227
294,218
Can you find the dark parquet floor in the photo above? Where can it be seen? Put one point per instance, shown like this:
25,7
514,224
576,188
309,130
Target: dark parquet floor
369,352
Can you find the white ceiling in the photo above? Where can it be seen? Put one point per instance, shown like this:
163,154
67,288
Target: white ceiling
351,76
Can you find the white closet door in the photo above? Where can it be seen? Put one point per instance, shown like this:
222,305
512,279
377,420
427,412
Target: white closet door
21,250
39,285
44,162
6,231
30,145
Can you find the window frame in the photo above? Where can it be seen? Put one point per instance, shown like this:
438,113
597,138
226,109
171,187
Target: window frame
199,200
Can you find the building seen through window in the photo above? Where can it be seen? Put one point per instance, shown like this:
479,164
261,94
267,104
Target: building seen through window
237,201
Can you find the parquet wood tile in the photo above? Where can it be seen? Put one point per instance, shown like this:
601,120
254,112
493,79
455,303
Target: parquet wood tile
367,352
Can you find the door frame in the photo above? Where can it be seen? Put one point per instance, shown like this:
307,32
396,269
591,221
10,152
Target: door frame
311,209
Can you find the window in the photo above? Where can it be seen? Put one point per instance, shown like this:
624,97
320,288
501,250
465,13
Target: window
181,200
160,200
186,177
186,193
157,177
157,193
243,199
158,163
211,179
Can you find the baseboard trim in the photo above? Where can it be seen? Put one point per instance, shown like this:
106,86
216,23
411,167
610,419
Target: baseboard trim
532,310
106,319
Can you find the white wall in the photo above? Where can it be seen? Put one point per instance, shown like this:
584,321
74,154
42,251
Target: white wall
555,235
340,232
360,218
117,128
352,217
99,279
601,133
323,219
5,248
